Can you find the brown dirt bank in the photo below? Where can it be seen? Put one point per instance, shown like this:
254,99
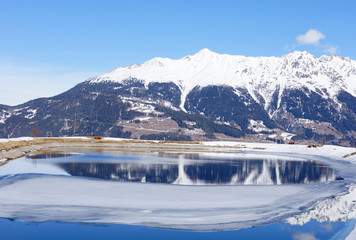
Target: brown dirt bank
16,149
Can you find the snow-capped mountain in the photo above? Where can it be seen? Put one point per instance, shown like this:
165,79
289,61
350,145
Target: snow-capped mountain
206,95
260,76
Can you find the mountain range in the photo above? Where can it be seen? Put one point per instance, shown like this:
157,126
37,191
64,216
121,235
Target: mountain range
295,97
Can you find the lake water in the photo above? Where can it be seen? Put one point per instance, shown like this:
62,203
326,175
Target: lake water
79,195
72,231
185,169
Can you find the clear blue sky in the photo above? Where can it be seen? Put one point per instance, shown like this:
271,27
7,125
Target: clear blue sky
49,46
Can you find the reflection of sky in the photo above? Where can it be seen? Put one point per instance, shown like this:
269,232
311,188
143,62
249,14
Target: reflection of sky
71,231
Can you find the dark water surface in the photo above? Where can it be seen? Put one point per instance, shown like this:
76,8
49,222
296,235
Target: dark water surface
50,155
189,169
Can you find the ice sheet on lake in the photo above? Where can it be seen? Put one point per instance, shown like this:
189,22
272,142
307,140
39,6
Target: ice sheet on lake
338,208
203,208
24,167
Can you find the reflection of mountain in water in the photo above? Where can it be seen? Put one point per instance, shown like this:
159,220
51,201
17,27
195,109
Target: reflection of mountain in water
133,172
188,172
260,172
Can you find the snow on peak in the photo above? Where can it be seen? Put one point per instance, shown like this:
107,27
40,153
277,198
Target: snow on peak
299,54
205,52
256,74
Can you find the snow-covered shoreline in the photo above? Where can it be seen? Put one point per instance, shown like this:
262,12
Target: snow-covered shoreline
329,151
203,208
199,208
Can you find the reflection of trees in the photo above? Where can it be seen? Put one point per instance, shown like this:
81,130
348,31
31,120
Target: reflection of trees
188,172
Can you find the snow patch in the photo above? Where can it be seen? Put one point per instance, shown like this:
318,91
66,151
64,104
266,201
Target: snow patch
195,132
66,125
4,115
303,120
142,118
257,126
16,139
287,136
32,113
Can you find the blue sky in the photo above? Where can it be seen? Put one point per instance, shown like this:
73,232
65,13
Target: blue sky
49,46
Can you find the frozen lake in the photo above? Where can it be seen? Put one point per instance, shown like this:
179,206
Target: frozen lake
191,192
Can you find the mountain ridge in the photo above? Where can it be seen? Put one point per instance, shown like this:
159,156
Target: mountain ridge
253,73
207,95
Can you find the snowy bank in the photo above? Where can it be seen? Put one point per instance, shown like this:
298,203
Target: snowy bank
203,208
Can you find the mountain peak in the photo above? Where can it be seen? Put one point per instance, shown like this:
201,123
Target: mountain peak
299,54
205,52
